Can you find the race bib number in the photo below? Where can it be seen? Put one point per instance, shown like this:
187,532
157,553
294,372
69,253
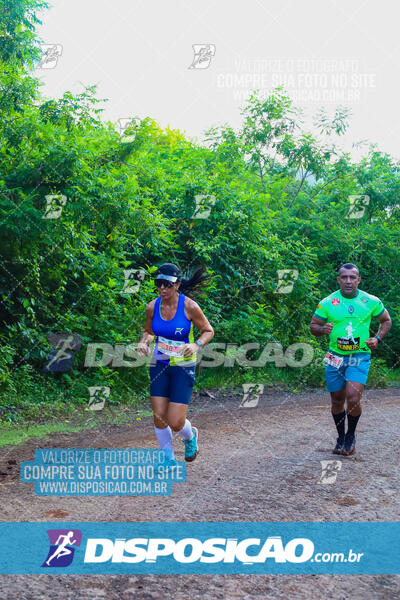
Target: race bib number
333,360
169,347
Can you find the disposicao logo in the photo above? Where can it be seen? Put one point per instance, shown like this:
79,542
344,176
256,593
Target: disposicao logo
190,550
62,542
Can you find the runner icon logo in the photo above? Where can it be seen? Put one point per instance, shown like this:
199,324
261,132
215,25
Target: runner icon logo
98,396
204,204
330,470
203,54
61,357
62,542
133,279
50,53
286,279
251,394
54,206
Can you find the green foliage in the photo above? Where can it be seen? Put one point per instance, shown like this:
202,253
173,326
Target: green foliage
281,202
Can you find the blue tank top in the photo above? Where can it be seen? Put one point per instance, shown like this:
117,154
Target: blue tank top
172,334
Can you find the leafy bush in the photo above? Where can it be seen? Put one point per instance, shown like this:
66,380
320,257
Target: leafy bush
281,202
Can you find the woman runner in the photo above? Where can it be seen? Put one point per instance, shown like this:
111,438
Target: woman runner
171,318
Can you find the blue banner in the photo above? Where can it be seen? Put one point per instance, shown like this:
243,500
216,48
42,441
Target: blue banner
102,472
200,548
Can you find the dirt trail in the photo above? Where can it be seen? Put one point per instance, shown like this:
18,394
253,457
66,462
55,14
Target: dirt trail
255,464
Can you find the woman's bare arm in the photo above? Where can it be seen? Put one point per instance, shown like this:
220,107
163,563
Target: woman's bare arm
195,314
148,335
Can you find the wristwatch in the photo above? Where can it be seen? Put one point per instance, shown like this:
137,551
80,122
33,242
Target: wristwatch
378,338
199,343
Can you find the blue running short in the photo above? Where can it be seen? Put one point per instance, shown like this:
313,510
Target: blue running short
175,383
355,367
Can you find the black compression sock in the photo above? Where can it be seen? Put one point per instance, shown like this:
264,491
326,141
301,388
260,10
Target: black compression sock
340,419
352,423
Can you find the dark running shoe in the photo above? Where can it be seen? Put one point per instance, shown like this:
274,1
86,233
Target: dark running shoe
338,449
349,444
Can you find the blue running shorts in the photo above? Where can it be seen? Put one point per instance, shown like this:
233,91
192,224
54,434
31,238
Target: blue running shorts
355,367
173,382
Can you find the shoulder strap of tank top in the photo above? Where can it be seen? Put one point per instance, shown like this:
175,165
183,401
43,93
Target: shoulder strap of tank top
181,303
181,306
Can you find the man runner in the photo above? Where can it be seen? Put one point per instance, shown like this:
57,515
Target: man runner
345,316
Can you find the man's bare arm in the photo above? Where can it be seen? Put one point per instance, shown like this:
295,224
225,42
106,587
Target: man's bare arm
318,327
385,324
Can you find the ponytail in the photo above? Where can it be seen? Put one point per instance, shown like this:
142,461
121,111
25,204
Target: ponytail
199,279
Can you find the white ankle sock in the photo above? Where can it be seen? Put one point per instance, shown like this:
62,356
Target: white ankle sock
186,431
164,437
